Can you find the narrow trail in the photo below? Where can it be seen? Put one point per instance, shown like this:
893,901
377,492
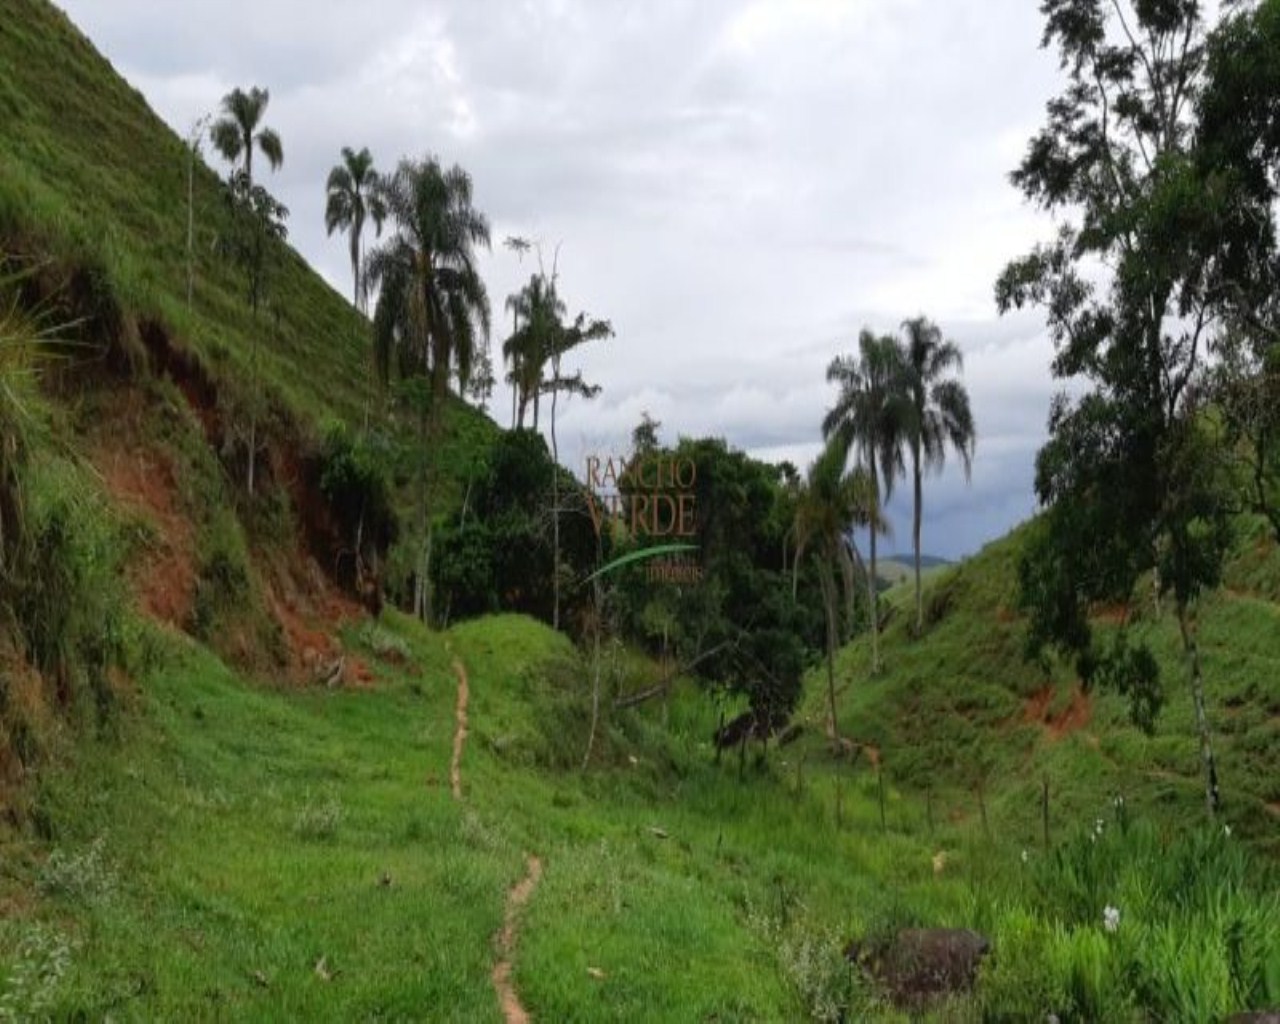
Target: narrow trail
460,732
517,896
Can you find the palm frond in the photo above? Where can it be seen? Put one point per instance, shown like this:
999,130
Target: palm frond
269,143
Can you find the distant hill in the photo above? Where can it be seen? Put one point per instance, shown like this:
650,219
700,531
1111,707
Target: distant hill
894,569
926,561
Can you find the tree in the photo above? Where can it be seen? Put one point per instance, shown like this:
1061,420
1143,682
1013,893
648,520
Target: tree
1127,474
938,415
351,196
869,418
1238,161
830,504
257,229
236,132
564,340
519,246
538,312
432,309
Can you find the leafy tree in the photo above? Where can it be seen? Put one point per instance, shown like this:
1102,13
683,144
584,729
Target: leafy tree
938,415
738,627
830,504
870,418
480,386
351,197
1238,161
432,310
1127,475
236,133
252,242
356,479
644,438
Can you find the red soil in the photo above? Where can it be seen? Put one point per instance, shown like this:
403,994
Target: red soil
1074,718
164,578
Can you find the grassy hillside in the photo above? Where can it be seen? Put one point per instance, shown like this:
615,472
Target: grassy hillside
961,709
209,833
94,186
234,852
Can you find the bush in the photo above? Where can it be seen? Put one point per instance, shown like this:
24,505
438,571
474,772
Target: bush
223,586
68,608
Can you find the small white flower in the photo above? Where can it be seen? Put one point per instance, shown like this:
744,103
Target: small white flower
1226,831
1024,856
1111,918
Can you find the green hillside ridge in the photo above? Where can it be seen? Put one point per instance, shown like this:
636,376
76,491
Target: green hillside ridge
962,709
93,181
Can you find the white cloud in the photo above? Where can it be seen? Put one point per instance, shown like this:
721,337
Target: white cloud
739,187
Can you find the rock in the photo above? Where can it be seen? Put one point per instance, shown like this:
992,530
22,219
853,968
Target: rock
920,963
1255,1017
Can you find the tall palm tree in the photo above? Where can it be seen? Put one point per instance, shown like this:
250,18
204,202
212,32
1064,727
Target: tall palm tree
563,341
236,132
830,504
433,308
938,415
538,311
868,419
351,196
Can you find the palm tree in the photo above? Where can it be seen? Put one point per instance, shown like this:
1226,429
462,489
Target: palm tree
538,312
432,309
351,195
939,415
564,340
235,133
830,503
868,419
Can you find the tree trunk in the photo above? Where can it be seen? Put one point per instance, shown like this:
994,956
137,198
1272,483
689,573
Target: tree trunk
829,606
873,589
915,534
555,504
849,583
253,447
1192,650
253,407
419,586
595,684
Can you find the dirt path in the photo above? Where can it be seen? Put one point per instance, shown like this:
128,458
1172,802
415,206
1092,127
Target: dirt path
517,896
460,732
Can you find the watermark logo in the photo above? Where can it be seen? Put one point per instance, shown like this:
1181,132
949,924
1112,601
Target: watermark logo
651,496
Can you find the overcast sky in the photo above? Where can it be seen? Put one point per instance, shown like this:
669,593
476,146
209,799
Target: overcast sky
738,186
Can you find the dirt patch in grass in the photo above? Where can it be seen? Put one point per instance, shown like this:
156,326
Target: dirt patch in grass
142,480
1074,717
308,623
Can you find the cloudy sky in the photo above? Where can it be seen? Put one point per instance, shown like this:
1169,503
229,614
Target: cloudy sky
738,186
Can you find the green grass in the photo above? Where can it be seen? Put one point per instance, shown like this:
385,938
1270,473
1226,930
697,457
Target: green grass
242,833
